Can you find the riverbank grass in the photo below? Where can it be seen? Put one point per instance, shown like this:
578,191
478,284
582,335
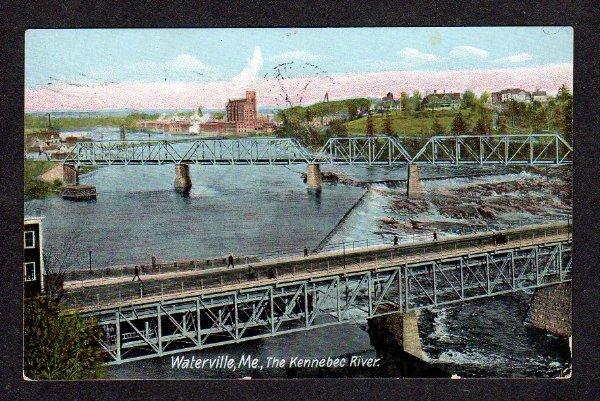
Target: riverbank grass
34,188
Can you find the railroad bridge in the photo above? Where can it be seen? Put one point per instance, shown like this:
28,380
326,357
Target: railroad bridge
168,314
544,149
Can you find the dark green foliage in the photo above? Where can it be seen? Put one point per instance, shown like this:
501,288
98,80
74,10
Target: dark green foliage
369,126
387,125
36,122
459,125
347,106
481,128
336,128
58,347
468,100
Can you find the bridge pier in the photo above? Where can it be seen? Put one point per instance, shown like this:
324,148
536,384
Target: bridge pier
550,309
314,181
183,181
70,174
414,187
396,340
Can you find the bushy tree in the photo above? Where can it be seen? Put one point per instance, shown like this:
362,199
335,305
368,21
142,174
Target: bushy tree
387,124
459,125
481,128
405,102
60,347
352,110
336,128
468,100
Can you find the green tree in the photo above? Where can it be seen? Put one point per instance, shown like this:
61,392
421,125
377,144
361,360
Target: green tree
484,98
459,125
387,124
369,126
437,128
352,110
218,115
415,101
405,102
60,347
564,94
567,119
481,127
336,128
468,100
200,111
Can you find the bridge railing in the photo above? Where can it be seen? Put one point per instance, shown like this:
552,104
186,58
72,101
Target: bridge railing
314,266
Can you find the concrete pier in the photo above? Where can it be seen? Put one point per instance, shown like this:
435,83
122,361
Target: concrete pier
399,331
70,175
183,181
314,181
414,187
551,308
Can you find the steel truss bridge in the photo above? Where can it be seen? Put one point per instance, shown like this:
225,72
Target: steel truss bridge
534,149
365,286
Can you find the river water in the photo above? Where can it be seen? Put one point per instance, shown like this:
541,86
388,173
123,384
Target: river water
255,209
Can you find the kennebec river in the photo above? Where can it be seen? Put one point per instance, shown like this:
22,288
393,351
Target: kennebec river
255,209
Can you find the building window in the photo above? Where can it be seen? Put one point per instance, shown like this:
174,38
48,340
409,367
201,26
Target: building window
29,237
30,271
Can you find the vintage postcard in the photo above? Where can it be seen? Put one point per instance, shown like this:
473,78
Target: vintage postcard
298,203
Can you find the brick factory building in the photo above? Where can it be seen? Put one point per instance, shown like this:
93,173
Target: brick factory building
242,117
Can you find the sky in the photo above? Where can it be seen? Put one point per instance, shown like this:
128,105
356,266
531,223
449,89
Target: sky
95,69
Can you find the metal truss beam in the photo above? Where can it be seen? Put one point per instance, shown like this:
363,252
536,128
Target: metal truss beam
167,327
531,149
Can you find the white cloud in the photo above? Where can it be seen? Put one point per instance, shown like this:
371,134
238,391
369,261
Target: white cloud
251,70
514,58
187,62
296,55
468,52
416,56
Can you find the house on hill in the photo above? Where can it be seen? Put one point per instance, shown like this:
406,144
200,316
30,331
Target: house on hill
539,96
441,101
514,94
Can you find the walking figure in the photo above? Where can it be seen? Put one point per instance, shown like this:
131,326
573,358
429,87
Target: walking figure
230,260
305,251
395,240
435,235
136,273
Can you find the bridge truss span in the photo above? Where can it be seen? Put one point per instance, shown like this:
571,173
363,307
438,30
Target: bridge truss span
273,307
530,149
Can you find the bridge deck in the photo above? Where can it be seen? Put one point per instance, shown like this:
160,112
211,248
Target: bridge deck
100,294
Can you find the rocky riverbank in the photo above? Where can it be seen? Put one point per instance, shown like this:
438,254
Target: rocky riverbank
541,193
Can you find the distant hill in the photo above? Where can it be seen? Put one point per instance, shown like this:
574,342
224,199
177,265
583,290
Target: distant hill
345,107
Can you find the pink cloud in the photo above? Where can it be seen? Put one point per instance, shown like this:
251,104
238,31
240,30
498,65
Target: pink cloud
188,95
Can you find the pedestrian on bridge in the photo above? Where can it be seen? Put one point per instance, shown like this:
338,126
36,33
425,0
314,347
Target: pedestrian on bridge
230,260
435,236
395,240
136,273
305,251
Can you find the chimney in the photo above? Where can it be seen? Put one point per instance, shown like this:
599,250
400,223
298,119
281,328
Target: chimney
434,91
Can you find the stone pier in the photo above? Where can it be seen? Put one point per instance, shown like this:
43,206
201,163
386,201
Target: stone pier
551,308
314,181
414,187
70,175
183,181
396,340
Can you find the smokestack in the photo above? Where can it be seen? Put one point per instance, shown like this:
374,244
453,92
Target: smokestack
49,122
